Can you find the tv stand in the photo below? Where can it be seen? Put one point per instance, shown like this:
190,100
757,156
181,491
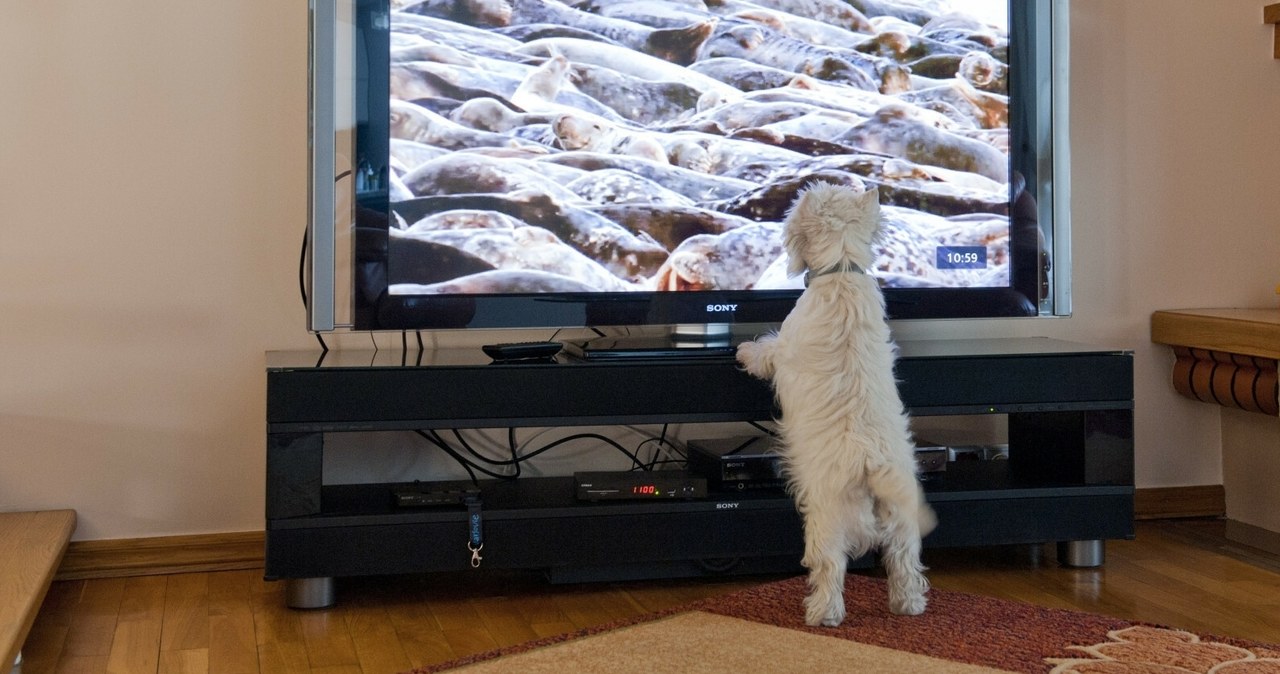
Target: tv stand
1068,478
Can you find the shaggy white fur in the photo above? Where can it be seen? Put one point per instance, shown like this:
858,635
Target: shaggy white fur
846,445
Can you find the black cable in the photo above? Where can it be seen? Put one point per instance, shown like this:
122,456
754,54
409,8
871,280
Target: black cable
515,460
654,464
770,431
588,436
302,281
302,266
661,441
450,452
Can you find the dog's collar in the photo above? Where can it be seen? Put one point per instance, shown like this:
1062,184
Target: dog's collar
847,266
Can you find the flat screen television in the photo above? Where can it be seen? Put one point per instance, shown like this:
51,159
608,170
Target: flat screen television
593,163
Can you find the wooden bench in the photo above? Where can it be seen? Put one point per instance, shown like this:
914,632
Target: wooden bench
31,547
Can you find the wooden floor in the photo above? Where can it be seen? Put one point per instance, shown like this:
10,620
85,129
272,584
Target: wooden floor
1181,573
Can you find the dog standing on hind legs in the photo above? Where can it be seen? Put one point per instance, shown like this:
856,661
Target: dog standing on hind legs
846,446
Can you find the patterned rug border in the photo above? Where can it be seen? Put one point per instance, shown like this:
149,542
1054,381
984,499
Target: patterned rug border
1022,638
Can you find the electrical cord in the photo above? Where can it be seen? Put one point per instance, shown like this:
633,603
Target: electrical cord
302,281
661,446
472,467
302,267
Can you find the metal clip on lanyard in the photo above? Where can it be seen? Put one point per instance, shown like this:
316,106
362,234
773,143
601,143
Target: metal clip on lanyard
475,530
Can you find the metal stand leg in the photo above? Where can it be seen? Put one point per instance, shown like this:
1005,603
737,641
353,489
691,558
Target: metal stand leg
17,664
309,592
1083,554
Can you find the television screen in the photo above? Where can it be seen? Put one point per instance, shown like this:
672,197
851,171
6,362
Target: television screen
548,163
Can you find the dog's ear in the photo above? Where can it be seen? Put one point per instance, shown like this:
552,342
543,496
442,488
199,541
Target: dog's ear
863,218
791,242
804,211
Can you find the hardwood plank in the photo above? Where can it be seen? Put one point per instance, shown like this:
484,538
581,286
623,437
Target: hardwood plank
43,648
338,669
587,608
466,641
90,634
506,622
233,646
186,613
135,648
143,598
328,638
281,646
419,632
82,664
537,613
377,645
453,613
424,645
185,661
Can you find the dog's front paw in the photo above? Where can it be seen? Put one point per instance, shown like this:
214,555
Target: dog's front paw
754,358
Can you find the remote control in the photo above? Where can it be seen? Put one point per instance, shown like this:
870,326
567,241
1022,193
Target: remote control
522,350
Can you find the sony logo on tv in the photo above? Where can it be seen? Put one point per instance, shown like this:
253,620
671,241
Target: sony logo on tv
719,308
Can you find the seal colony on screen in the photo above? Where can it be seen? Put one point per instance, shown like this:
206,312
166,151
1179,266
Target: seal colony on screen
617,145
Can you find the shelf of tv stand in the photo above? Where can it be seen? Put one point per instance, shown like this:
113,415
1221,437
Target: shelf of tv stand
1069,476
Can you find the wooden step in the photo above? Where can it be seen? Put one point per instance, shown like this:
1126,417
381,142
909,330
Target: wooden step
31,547
1271,14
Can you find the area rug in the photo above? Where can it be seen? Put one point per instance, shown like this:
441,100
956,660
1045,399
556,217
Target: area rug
761,630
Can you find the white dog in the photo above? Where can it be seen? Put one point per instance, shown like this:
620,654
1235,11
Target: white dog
846,445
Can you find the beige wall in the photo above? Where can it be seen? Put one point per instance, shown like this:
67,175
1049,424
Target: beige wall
153,176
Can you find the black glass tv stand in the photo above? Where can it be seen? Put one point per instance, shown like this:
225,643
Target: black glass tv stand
1068,478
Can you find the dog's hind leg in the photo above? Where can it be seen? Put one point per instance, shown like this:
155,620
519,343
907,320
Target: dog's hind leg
904,518
826,559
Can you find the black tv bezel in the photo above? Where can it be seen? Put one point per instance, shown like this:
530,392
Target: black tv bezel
374,308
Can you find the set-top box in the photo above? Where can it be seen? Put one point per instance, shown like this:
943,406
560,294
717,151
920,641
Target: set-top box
647,485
